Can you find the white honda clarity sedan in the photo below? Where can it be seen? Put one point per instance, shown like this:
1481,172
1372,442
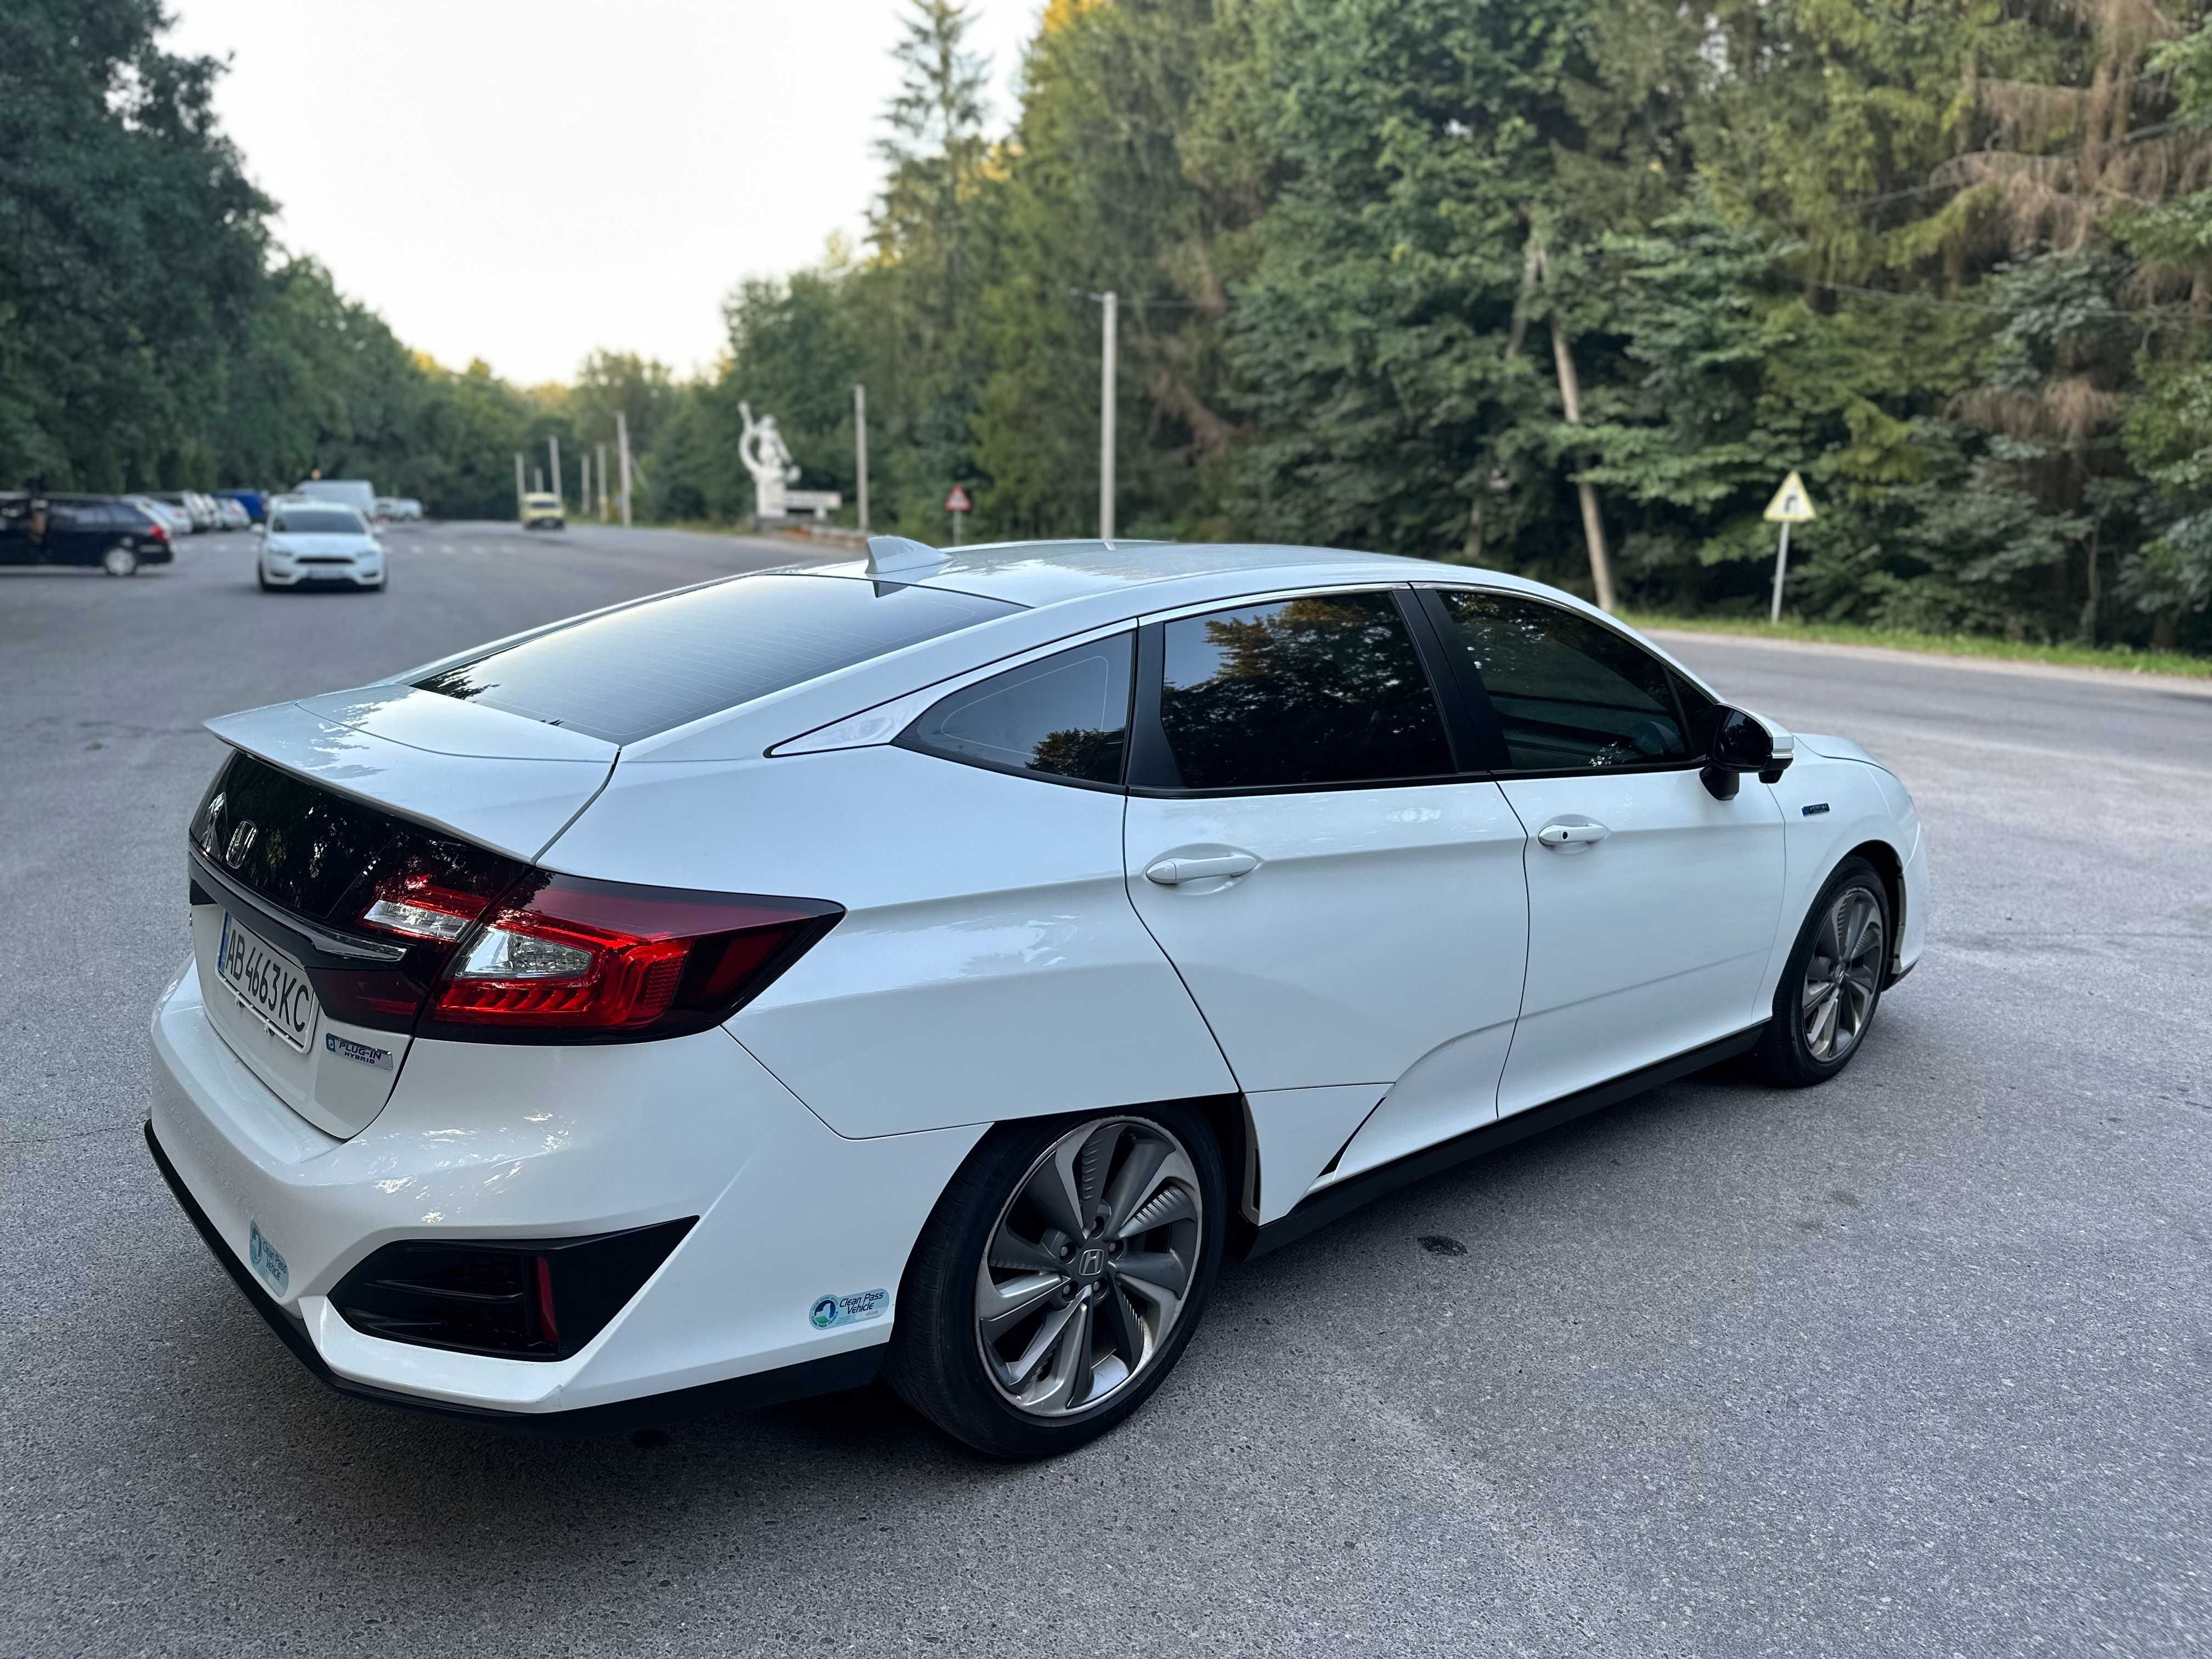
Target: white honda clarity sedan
937,965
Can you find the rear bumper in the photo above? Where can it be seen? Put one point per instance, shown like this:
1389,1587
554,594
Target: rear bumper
827,1375
492,1141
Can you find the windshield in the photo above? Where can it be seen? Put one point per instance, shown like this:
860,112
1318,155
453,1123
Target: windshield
668,661
317,521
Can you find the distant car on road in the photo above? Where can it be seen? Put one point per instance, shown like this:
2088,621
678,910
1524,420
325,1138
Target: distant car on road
254,500
196,519
233,513
942,962
111,532
357,493
407,509
309,542
173,519
542,510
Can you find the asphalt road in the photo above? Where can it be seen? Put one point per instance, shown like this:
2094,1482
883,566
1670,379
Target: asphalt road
1915,1364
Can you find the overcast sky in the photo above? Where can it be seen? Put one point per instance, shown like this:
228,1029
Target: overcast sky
522,183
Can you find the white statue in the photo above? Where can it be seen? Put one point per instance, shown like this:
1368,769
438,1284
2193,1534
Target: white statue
763,451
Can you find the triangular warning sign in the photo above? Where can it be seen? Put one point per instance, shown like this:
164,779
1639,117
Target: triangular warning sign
1792,503
957,501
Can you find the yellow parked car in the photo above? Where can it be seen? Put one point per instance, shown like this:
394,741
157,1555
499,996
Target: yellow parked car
541,508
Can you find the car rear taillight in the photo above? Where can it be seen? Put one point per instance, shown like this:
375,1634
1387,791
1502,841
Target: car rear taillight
561,958
158,532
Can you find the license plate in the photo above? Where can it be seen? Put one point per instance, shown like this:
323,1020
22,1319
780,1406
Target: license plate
269,984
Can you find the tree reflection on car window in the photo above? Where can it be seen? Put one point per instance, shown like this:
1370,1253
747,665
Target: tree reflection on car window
1570,694
1322,689
1065,716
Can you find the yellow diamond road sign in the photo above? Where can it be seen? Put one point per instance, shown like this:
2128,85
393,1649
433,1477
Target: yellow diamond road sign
1791,504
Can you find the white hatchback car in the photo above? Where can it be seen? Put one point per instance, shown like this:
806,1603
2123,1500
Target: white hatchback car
307,543
939,963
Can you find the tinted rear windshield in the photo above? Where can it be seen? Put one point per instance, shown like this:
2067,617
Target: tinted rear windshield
317,521
656,665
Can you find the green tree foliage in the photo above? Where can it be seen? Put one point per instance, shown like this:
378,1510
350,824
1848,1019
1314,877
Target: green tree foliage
1497,281
152,336
130,247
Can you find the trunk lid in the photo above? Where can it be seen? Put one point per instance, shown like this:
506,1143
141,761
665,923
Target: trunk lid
322,808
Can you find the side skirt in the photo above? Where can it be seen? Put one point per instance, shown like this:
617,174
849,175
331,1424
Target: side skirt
1317,1210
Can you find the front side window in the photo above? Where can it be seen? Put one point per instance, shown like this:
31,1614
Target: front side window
1317,690
1064,716
1570,694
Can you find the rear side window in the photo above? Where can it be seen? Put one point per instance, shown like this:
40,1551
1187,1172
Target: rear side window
319,521
1322,689
1570,694
649,667
1065,716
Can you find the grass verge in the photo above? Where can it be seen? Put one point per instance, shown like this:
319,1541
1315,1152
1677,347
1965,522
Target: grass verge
2125,659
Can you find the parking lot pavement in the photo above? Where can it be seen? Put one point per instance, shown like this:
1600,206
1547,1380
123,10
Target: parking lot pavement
1915,1364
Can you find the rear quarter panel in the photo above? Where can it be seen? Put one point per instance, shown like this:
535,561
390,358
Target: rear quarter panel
990,965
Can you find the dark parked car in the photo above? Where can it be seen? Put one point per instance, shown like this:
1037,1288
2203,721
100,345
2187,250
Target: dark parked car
101,530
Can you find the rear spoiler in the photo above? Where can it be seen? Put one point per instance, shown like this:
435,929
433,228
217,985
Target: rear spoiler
499,780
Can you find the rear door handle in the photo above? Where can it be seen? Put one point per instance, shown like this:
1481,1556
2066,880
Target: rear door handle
1572,834
1171,873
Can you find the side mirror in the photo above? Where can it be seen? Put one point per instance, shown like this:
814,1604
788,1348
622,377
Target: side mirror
1741,743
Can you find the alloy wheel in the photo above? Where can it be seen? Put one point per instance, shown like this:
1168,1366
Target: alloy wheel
120,561
1088,1266
1843,976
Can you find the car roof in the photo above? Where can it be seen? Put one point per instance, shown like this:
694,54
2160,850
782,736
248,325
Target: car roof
1065,589
1036,574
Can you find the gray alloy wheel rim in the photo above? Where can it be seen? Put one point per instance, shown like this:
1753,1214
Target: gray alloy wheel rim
1842,977
120,561
1088,1266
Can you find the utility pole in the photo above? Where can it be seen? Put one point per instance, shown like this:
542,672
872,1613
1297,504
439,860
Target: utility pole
518,483
600,450
1112,302
553,449
538,478
584,480
860,447
622,445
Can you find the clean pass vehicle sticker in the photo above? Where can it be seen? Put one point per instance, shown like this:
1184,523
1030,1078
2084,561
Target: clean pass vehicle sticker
266,1263
832,1311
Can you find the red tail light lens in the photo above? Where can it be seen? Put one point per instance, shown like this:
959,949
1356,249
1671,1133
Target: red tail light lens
565,959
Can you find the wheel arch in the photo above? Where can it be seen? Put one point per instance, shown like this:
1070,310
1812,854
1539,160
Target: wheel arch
1889,865
1226,1115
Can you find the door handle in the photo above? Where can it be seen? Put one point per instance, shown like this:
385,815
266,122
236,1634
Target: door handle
1170,872
1572,834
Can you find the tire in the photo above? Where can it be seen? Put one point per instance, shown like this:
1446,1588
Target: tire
1832,984
1019,1389
120,560
261,577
